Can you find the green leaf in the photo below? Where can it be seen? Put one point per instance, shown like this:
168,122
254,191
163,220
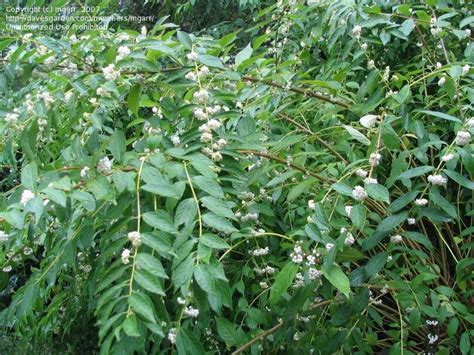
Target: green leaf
338,279
460,179
211,61
281,178
151,264
243,55
378,192
183,272
148,281
217,206
185,39
164,188
157,242
218,222
226,331
419,238
187,343
124,180
160,220
444,116
29,176
134,99
407,26
453,327
185,212
55,195
118,145
375,264
402,201
465,343
414,172
282,282
357,215
342,188
142,305
355,134
440,201
130,326
213,241
208,185
390,222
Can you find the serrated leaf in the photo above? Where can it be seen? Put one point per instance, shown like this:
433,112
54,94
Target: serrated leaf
211,61
442,115
213,241
281,178
56,196
133,99
355,134
29,176
130,326
158,243
338,279
226,331
217,206
160,220
342,188
118,145
378,192
282,282
187,343
209,185
460,179
185,212
414,172
375,264
151,264
357,215
148,281
185,39
142,305
217,222
402,201
243,55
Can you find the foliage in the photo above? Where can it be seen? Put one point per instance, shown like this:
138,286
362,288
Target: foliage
310,191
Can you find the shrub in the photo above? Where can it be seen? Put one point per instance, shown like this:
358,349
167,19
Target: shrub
309,192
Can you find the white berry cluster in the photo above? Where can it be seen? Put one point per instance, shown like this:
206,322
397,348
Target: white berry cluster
104,166
110,73
191,312
69,69
201,73
297,255
134,238
396,239
172,335
462,138
26,196
374,159
267,270
125,256
439,180
3,236
359,193
421,202
149,129
260,251
122,52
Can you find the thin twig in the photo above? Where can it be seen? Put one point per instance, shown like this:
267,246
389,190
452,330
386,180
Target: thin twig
309,131
283,161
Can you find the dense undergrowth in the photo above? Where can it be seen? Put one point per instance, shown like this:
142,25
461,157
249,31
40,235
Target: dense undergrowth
309,191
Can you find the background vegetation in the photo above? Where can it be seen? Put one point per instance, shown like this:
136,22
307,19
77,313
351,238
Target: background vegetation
239,177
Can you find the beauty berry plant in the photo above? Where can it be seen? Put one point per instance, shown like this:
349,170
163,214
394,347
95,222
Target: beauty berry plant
308,192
